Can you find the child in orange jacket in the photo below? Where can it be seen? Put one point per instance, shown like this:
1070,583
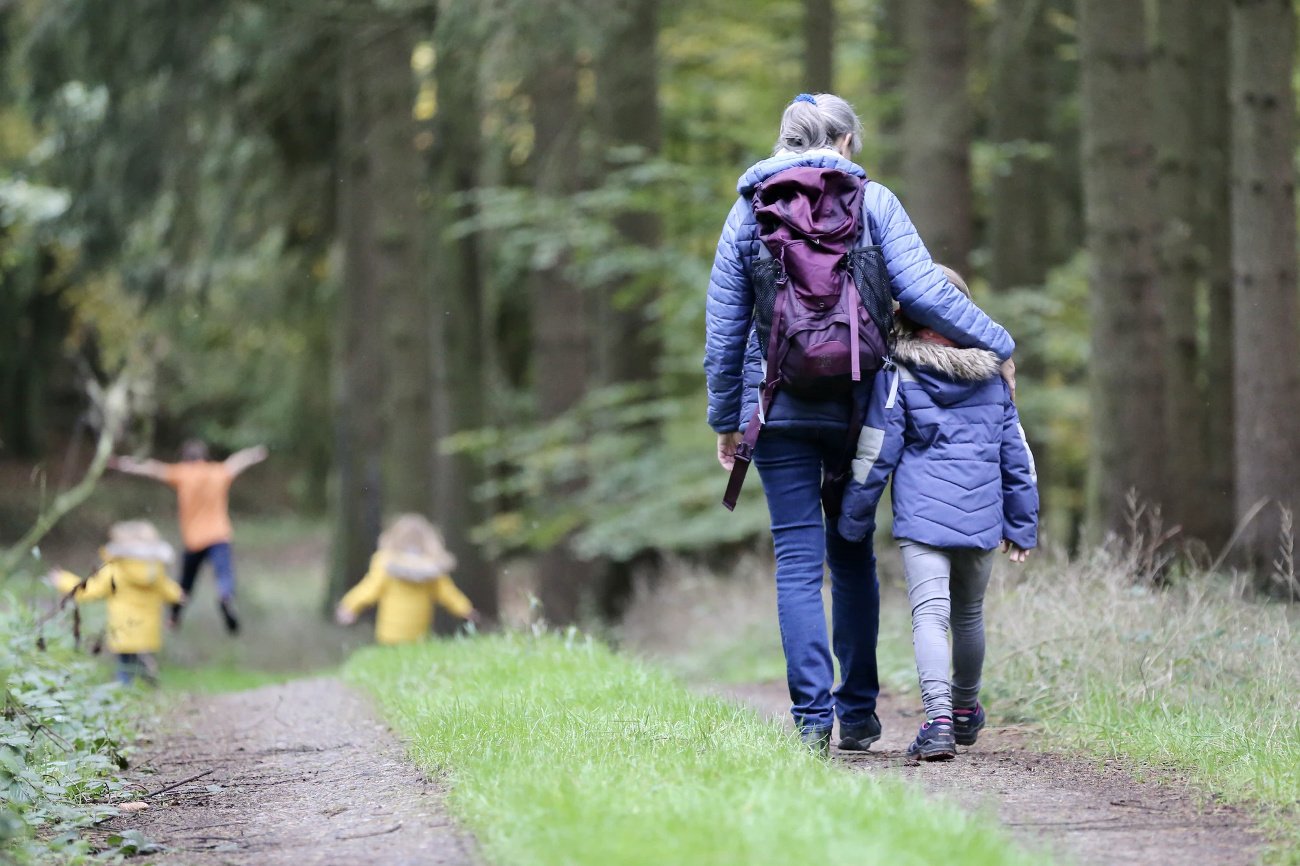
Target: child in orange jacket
133,579
408,576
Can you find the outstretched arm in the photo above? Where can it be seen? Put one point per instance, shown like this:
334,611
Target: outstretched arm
155,469
239,461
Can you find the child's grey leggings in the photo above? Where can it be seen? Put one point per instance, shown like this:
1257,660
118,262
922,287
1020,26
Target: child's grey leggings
934,576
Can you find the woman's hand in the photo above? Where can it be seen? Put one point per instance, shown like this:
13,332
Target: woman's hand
1014,553
727,443
1009,374
343,616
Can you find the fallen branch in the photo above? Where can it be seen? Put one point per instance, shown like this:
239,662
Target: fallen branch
383,832
175,785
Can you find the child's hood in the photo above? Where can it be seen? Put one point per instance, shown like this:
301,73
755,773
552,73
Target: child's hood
948,374
138,563
411,567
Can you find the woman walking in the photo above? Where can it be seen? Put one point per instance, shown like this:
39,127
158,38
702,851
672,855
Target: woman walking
804,439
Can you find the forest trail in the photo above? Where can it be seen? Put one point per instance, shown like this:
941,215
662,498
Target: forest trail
299,773
1080,810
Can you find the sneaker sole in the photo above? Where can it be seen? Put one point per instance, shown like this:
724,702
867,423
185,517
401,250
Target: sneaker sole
849,744
935,753
968,740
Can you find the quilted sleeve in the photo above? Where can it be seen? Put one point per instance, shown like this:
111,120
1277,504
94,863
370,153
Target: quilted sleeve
922,290
880,444
1019,483
727,316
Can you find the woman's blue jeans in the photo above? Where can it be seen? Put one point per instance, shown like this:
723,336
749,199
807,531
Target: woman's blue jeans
791,467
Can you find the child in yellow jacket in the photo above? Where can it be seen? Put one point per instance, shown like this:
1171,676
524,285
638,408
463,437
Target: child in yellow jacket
408,576
133,578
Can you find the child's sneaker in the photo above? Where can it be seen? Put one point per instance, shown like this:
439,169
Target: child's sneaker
934,742
228,614
967,724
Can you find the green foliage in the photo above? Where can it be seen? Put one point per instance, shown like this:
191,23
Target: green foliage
560,751
64,738
653,483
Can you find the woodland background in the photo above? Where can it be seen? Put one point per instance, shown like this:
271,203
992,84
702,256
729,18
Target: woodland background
452,256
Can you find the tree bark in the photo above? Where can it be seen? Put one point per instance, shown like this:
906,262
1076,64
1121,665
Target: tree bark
627,113
819,46
1212,114
399,272
561,342
359,352
1175,93
937,128
1019,104
1265,325
889,53
460,356
1128,418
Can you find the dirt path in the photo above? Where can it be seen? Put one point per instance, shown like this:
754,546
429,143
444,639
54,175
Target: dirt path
1081,811
300,773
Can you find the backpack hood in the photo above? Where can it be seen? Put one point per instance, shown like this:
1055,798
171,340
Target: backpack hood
948,374
818,158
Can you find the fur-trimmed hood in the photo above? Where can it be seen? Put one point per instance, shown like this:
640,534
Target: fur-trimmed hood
963,365
949,374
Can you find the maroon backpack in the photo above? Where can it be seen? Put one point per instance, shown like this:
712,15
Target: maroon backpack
822,304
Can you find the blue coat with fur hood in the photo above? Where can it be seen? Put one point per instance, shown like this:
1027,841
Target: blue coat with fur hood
732,361
943,424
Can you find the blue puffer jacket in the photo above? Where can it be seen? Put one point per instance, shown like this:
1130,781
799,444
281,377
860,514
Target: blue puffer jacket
942,422
732,362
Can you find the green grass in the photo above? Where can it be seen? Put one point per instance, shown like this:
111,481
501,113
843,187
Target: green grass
563,752
1197,680
219,678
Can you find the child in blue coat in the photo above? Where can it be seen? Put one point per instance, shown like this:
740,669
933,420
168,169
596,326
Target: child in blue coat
942,422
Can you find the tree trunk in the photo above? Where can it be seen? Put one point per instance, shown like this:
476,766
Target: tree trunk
561,343
1021,93
627,115
1265,323
460,356
937,128
627,112
889,53
359,352
1175,93
819,46
399,271
1128,429
1213,115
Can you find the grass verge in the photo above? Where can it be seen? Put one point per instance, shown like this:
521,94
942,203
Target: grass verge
1195,679
560,751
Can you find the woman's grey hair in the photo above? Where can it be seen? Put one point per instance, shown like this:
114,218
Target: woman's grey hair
810,125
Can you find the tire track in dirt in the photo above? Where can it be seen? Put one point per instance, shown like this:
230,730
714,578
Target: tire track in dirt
1083,811
300,773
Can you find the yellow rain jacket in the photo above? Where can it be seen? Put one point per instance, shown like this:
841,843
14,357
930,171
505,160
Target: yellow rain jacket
405,606
136,590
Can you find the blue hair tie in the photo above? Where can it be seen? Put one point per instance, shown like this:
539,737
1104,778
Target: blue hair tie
805,97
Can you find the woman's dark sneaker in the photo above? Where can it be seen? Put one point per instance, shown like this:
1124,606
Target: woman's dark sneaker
858,738
934,742
967,724
818,740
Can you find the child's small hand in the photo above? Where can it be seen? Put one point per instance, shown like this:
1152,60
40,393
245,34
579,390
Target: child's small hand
474,616
1014,553
343,616
51,578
